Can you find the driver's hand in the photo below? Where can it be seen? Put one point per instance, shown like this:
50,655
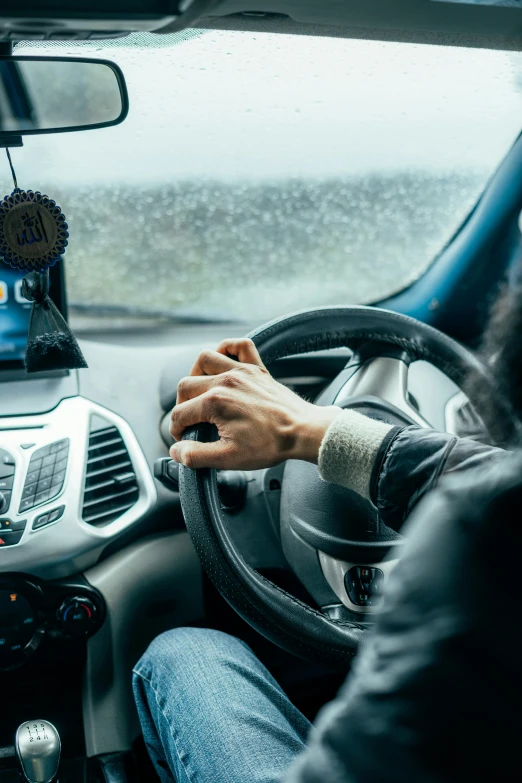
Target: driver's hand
260,422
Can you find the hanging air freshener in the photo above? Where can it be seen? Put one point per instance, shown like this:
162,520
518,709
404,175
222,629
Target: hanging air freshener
33,231
33,237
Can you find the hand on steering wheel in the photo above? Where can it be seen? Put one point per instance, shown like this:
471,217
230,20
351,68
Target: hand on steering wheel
259,421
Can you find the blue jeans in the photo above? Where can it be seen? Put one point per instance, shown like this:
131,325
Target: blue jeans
211,713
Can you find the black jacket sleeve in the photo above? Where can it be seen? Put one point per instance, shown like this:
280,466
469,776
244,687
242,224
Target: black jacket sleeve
434,695
412,460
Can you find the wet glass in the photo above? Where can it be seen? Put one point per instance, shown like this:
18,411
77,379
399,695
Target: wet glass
259,173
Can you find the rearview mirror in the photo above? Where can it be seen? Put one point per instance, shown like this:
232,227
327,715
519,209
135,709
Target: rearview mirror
58,94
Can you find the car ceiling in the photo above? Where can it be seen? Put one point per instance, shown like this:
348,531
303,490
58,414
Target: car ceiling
477,24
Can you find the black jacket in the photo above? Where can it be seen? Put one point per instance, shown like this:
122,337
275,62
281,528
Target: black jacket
435,693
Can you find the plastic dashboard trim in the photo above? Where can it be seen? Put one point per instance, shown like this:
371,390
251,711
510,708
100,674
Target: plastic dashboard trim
69,545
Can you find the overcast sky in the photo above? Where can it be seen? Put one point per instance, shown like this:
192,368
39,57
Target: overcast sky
235,105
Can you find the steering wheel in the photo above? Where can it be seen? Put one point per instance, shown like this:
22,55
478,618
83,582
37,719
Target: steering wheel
325,529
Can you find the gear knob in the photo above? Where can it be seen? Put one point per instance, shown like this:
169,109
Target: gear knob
38,749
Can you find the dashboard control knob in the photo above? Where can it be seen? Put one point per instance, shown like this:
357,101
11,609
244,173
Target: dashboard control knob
18,624
167,471
232,486
77,615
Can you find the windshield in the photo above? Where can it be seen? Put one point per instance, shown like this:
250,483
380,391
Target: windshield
261,173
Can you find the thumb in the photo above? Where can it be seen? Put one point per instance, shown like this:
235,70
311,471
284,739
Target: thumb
194,454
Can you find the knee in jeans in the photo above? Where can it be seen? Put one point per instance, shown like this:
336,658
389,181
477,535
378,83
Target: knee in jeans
175,648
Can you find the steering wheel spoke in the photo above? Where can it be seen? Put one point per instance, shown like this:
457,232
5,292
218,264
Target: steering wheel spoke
384,378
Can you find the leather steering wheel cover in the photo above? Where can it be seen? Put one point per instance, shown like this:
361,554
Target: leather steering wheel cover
276,614
335,327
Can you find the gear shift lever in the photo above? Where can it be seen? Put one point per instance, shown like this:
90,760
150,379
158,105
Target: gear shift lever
38,749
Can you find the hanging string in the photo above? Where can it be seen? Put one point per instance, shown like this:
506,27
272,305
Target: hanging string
12,168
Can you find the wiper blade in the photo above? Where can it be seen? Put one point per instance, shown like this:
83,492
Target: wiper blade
172,316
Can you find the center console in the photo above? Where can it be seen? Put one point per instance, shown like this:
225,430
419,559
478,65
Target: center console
72,480
44,627
76,495
33,612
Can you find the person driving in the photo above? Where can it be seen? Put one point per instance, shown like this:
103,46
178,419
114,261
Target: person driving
435,692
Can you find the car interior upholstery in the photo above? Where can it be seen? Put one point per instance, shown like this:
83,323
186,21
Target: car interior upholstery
97,555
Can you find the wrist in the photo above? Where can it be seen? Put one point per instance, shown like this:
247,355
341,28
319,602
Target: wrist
310,431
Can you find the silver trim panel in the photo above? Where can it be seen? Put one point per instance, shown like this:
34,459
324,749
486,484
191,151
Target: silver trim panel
334,571
69,545
382,377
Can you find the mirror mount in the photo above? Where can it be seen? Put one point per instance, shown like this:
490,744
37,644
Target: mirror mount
8,140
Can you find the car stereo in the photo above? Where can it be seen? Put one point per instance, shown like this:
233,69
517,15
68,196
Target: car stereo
15,312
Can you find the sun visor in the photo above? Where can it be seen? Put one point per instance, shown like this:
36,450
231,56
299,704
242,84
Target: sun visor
490,24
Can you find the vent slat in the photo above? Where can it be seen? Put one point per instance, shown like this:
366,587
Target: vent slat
104,444
110,455
117,480
108,498
111,487
101,485
102,433
113,514
111,468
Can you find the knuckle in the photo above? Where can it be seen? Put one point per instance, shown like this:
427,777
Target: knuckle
231,379
182,387
214,398
205,356
225,343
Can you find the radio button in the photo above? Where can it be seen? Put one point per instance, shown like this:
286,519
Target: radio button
6,483
26,504
41,497
48,517
46,471
7,464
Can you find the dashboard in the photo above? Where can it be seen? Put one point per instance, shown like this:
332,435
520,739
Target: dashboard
76,487
71,479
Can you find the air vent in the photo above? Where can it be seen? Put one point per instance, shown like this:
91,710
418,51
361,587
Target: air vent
110,482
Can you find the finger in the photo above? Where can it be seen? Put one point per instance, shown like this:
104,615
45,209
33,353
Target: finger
201,409
194,454
212,363
244,348
193,386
